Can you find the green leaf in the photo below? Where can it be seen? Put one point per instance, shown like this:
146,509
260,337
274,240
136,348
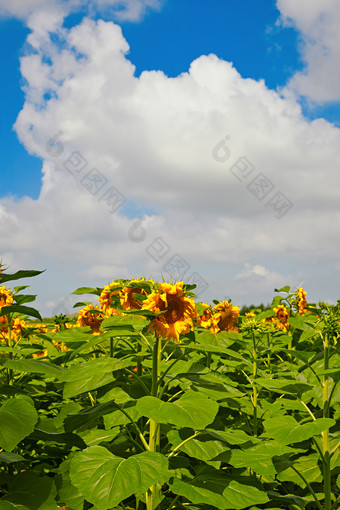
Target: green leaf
233,437
202,447
289,386
35,366
105,479
74,335
88,290
58,437
34,491
23,310
17,420
88,415
95,437
297,322
7,505
308,333
283,289
9,458
222,494
241,496
259,457
198,494
307,466
91,375
184,412
19,274
20,299
286,430
124,322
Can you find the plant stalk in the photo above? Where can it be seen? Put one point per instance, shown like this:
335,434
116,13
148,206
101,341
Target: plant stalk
152,495
325,433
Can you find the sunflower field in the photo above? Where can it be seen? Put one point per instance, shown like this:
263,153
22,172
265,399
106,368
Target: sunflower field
149,400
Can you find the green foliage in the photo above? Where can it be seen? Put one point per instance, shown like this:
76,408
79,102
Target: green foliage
122,419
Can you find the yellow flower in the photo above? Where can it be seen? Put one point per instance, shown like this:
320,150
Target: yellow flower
105,298
225,317
3,327
17,326
282,315
179,310
205,319
93,320
6,298
302,301
127,298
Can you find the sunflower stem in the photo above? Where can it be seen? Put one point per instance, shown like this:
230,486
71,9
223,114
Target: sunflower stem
152,495
254,386
325,433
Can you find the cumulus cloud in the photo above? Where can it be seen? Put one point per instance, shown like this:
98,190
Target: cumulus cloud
124,10
169,176
318,23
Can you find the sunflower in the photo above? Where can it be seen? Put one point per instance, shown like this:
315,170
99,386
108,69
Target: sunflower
225,317
127,296
87,318
302,301
105,299
179,310
282,315
17,326
6,298
3,328
205,318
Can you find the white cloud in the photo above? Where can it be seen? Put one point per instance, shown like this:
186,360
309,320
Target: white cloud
318,22
152,138
124,10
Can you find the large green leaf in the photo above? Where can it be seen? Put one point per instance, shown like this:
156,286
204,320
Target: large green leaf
17,420
23,310
191,410
202,447
259,457
286,430
124,322
223,494
7,505
33,491
24,273
241,496
35,366
307,466
289,386
91,375
88,415
67,438
9,458
233,437
88,290
105,479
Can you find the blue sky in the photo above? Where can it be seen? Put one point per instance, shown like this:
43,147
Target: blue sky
263,73
244,32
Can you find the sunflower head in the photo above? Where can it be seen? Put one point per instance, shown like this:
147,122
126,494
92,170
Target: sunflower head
177,310
127,295
281,315
6,299
204,315
225,317
93,319
106,298
300,296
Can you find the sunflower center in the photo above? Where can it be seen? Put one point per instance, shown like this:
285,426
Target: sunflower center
175,311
